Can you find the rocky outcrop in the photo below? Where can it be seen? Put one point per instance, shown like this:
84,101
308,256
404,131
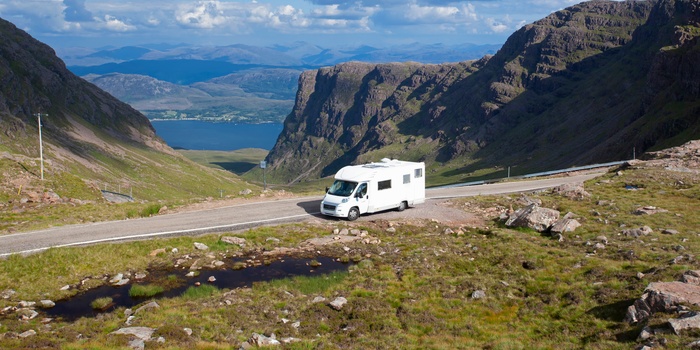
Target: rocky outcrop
584,85
667,297
534,217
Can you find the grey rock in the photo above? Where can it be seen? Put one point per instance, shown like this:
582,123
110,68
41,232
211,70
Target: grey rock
690,320
637,232
234,240
188,331
46,304
318,299
201,246
151,305
478,294
137,344
27,334
693,345
667,297
143,333
565,225
534,217
573,191
260,340
645,334
338,303
7,294
669,232
692,277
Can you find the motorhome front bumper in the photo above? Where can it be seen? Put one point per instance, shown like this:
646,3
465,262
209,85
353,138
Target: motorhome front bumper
333,210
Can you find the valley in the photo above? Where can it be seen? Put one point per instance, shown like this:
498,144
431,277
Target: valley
601,260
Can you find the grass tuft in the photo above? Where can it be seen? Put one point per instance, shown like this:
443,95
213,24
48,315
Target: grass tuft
199,292
145,291
101,303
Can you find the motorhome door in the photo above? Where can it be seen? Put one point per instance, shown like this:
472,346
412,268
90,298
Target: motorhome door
362,198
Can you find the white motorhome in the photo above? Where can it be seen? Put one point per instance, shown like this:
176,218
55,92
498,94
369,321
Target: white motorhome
368,188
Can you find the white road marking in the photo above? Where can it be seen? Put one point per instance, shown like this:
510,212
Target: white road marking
155,234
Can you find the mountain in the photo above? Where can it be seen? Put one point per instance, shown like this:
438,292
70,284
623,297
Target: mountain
297,54
251,96
592,83
90,139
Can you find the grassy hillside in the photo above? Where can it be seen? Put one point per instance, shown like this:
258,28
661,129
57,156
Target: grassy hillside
154,178
415,289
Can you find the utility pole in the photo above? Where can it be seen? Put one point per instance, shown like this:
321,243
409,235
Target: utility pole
263,165
41,144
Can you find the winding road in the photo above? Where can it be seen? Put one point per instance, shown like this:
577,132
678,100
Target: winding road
230,218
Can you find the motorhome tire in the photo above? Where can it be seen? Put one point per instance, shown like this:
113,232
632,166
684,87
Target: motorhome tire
402,206
353,214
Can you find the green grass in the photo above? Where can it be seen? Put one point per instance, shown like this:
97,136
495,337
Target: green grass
145,291
237,162
200,292
309,285
413,289
101,303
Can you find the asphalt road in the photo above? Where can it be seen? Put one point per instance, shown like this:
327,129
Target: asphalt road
226,219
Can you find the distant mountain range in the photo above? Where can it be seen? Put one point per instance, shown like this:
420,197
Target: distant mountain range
236,83
595,82
297,54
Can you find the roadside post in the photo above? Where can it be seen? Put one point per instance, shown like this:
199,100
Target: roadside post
263,165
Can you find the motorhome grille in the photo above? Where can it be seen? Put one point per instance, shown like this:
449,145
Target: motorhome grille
329,207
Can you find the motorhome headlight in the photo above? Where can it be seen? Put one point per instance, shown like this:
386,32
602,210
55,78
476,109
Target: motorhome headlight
345,200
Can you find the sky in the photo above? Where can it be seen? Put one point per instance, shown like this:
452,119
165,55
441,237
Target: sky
330,23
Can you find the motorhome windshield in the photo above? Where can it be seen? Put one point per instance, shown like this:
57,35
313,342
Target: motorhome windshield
342,188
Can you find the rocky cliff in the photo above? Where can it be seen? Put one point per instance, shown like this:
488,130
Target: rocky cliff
586,84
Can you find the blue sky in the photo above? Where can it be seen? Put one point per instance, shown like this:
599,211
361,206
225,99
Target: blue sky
331,23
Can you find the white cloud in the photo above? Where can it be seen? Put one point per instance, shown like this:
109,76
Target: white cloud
113,24
202,14
495,26
168,20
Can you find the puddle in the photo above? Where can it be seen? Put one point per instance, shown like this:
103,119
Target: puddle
79,305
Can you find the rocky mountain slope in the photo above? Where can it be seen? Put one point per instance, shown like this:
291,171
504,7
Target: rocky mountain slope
90,139
592,83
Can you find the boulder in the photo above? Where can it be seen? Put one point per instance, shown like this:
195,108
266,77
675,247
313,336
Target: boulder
664,297
534,217
691,277
478,294
573,191
338,303
46,304
690,320
565,225
201,246
637,232
234,240
142,333
260,340
151,305
649,210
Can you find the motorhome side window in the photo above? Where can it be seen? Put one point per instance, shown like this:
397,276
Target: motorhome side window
419,173
407,179
384,185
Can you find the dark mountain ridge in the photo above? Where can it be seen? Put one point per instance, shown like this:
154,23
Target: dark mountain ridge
587,84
